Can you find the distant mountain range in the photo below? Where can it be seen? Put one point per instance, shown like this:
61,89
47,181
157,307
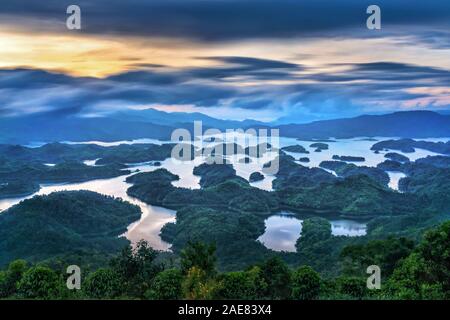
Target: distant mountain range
406,124
54,129
181,119
150,123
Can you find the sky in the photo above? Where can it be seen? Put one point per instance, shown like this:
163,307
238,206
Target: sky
285,60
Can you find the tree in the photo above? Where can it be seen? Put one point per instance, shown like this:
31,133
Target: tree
386,253
305,284
245,285
10,278
234,285
278,278
425,274
198,286
136,268
352,287
199,255
435,251
102,284
166,286
40,282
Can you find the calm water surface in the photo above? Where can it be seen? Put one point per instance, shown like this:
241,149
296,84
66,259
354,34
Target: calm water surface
281,231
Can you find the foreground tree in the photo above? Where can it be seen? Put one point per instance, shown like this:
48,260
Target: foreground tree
278,278
351,287
305,284
246,285
102,284
197,285
425,274
166,286
201,256
386,253
10,277
40,282
136,268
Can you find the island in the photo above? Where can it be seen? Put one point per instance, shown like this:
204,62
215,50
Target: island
319,146
256,176
436,161
24,169
390,165
349,158
295,148
409,145
344,169
396,157
61,152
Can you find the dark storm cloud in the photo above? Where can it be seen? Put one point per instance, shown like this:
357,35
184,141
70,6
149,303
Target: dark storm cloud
423,23
29,91
258,69
31,78
397,68
435,39
149,77
64,94
254,63
228,67
221,20
384,73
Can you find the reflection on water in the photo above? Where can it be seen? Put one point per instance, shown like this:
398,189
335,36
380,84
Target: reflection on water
7,203
348,228
283,230
113,143
395,178
90,163
185,171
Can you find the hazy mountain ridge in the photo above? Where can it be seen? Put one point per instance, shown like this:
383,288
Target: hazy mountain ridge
151,123
405,124
182,118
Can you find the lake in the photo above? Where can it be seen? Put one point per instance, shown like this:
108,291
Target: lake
281,233
284,229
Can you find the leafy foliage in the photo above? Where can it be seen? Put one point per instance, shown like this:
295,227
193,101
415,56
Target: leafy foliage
305,284
103,284
136,268
278,278
39,282
419,273
425,274
166,286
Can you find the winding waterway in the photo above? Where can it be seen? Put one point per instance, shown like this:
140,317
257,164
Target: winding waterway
281,231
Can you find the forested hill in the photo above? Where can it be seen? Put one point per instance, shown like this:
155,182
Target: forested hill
63,223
